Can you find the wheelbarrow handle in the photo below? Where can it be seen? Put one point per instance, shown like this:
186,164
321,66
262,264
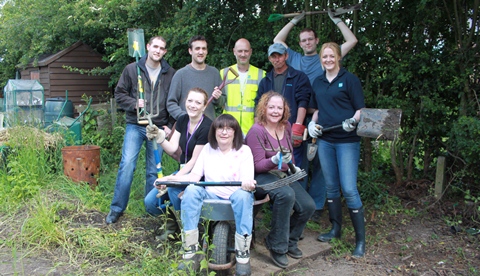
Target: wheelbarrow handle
203,183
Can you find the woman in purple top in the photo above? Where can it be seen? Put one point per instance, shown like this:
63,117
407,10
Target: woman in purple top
272,121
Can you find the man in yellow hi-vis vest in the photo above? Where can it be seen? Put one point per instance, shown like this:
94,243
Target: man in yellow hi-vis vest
241,93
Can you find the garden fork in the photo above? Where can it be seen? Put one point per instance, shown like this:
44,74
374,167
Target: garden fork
282,151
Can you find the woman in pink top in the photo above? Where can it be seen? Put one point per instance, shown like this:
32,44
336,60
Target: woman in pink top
224,158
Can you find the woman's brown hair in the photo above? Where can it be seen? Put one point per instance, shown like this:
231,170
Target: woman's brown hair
222,121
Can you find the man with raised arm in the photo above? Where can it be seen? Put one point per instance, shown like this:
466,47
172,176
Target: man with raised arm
309,63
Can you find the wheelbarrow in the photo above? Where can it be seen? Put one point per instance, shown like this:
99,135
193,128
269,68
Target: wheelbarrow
221,229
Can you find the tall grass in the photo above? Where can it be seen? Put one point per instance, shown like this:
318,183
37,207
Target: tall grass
44,213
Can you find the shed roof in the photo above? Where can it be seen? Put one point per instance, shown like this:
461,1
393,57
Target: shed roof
46,59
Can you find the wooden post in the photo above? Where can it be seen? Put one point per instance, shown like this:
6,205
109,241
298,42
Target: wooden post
440,177
113,110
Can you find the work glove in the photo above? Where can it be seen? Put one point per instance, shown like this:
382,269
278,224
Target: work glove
349,124
314,130
334,18
286,158
297,170
297,134
297,18
153,132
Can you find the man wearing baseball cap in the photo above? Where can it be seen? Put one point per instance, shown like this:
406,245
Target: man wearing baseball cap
294,86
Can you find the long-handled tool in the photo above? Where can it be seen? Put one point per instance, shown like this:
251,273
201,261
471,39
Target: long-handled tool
374,123
339,11
136,49
267,187
158,161
225,81
281,150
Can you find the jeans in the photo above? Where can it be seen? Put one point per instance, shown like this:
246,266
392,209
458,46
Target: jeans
135,136
156,206
340,166
173,193
285,229
242,205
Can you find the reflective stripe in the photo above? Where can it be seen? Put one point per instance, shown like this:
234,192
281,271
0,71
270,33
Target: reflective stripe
235,109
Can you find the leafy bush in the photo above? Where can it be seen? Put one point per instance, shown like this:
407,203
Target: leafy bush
464,149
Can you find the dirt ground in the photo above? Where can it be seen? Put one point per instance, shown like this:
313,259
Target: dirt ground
397,243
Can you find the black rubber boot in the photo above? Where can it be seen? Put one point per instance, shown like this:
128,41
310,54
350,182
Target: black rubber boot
335,214
358,221
170,227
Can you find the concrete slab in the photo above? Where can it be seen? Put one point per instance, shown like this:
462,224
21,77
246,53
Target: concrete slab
262,264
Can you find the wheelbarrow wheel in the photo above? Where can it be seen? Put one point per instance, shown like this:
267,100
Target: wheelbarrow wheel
222,240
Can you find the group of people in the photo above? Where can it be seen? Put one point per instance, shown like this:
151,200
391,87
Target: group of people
259,133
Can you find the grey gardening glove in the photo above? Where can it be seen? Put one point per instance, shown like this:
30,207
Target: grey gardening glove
334,18
314,130
286,157
153,132
297,18
349,124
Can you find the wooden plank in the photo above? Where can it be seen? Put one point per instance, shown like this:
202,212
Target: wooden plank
440,177
76,76
83,65
79,82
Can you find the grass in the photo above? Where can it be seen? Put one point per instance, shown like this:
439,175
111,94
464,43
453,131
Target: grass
46,214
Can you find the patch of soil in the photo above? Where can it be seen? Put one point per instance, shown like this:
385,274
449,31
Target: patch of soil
417,241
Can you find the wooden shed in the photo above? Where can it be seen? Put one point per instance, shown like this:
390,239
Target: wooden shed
56,79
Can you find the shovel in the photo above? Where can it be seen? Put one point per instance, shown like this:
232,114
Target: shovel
136,49
377,123
336,12
312,149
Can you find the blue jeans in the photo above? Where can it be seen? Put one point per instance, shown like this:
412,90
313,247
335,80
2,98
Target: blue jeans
156,206
340,167
135,136
242,205
285,229
173,193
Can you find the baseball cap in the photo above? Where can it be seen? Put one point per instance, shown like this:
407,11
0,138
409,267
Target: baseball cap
276,48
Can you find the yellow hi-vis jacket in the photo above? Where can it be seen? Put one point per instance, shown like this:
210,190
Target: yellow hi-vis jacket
240,104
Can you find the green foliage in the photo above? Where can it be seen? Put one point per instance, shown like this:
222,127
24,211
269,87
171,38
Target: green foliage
30,164
463,142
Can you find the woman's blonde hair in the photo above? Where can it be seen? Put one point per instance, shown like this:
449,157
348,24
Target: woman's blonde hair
336,51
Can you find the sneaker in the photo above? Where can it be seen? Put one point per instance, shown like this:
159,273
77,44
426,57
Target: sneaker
295,253
112,217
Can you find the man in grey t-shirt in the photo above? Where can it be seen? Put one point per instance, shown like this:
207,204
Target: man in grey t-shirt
196,74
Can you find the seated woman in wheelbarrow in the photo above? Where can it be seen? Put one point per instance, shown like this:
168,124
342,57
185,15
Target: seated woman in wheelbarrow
224,159
272,131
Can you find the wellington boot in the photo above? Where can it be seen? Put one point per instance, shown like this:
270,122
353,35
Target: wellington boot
358,221
335,215
242,254
191,256
170,228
